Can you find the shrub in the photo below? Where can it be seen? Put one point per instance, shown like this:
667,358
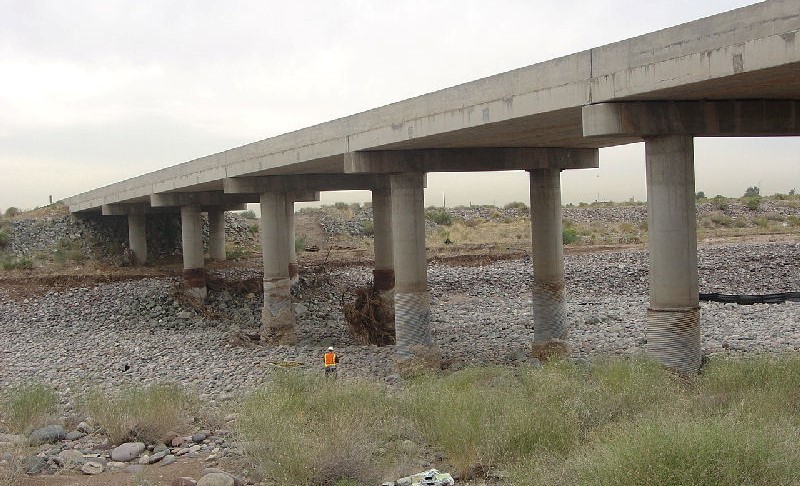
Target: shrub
12,211
249,214
300,243
341,205
367,227
516,205
304,429
752,192
253,229
4,240
753,202
700,195
234,251
569,236
721,202
23,263
27,407
143,414
439,216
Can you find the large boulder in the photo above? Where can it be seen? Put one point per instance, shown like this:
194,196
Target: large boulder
127,451
47,435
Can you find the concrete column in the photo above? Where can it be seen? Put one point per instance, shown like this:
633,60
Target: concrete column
412,300
383,273
294,274
137,237
216,235
549,302
673,318
277,318
384,250
194,272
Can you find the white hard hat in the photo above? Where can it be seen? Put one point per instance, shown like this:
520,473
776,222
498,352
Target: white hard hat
330,348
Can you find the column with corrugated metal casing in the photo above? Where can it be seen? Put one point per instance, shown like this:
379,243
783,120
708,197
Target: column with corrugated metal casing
673,318
411,299
137,237
194,272
278,317
549,307
216,235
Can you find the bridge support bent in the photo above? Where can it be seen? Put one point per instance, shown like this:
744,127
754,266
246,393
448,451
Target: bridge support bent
383,273
549,302
411,299
194,272
293,268
137,237
673,318
216,235
278,317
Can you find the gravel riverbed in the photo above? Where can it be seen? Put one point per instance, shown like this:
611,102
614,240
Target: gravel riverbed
111,335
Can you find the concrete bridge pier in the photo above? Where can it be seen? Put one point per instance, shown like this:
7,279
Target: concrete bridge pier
194,273
278,317
411,299
294,274
383,273
549,301
137,236
216,234
673,318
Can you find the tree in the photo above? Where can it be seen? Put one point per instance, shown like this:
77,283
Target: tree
752,192
700,195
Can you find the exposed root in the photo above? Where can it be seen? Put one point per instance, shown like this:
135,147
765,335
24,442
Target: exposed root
370,318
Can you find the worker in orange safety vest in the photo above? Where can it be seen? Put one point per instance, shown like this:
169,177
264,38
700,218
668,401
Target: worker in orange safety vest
331,360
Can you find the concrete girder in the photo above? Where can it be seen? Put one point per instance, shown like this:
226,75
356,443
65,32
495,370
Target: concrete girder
469,160
303,184
123,209
734,118
203,199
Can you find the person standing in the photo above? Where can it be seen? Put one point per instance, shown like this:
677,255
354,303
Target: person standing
331,360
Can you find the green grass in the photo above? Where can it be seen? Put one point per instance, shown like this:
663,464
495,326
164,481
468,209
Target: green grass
143,414
613,421
303,429
27,407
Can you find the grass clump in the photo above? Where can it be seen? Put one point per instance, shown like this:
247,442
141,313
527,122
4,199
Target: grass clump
139,414
608,421
675,452
304,429
439,216
13,263
27,407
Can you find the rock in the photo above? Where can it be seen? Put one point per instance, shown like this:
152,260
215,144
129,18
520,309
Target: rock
183,481
127,451
154,458
70,458
168,459
216,479
92,468
74,435
179,441
144,459
36,465
199,437
47,435
85,428
184,315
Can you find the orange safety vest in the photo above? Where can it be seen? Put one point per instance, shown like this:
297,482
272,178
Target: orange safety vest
330,359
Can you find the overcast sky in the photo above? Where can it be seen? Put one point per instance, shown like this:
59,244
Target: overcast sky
94,92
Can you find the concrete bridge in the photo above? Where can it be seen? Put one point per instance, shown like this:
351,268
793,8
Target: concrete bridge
736,74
